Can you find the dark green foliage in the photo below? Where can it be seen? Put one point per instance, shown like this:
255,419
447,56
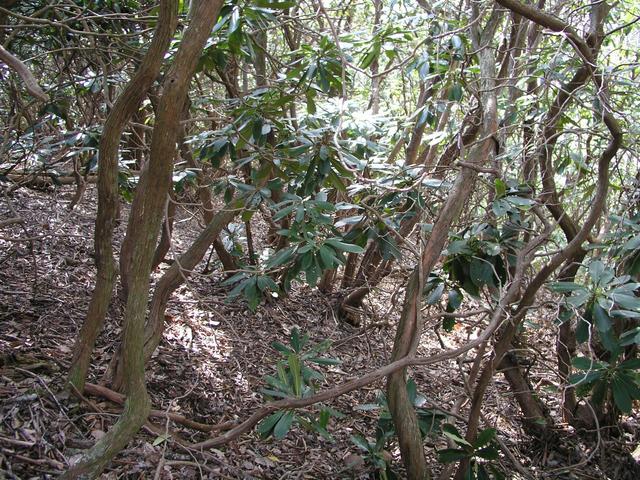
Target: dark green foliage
479,453
297,378
477,259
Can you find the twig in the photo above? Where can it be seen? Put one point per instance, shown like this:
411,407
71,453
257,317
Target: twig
18,443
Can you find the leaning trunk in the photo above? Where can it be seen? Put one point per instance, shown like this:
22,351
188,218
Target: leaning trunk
144,226
126,105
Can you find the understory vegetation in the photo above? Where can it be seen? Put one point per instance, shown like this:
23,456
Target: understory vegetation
319,239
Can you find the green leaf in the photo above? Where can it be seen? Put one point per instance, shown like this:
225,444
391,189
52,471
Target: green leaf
274,4
564,287
312,272
239,288
500,207
585,378
459,247
281,348
435,294
620,396
295,340
522,203
283,213
336,181
266,426
252,294
284,424
281,257
485,436
275,393
452,432
267,283
584,363
630,337
234,278
325,361
631,364
627,302
450,455
632,244
235,19
454,300
455,93
294,369
327,259
579,298
310,95
596,268
488,453
610,341
345,247
161,439
481,272
582,330
625,314
412,390
448,323
602,320
389,248
630,383
360,442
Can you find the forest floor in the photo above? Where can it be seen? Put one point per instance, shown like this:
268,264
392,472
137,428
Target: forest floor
211,365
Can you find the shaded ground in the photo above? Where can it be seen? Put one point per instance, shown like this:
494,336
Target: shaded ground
210,369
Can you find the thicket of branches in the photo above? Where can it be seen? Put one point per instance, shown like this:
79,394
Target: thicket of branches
488,146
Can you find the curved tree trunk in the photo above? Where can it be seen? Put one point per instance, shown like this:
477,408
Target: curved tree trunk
144,226
402,410
175,276
126,105
573,248
409,329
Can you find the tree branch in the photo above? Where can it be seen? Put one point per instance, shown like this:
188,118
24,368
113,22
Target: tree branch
25,74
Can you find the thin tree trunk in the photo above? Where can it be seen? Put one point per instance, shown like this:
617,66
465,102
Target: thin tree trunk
144,225
535,418
179,271
573,247
126,105
376,80
410,328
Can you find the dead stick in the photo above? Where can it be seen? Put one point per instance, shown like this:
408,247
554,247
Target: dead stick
118,398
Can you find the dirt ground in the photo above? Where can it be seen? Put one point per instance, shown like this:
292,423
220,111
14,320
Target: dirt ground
211,364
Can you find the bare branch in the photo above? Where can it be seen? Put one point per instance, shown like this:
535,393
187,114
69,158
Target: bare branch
23,71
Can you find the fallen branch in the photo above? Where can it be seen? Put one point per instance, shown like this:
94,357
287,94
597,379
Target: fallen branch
347,387
11,221
118,398
44,180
